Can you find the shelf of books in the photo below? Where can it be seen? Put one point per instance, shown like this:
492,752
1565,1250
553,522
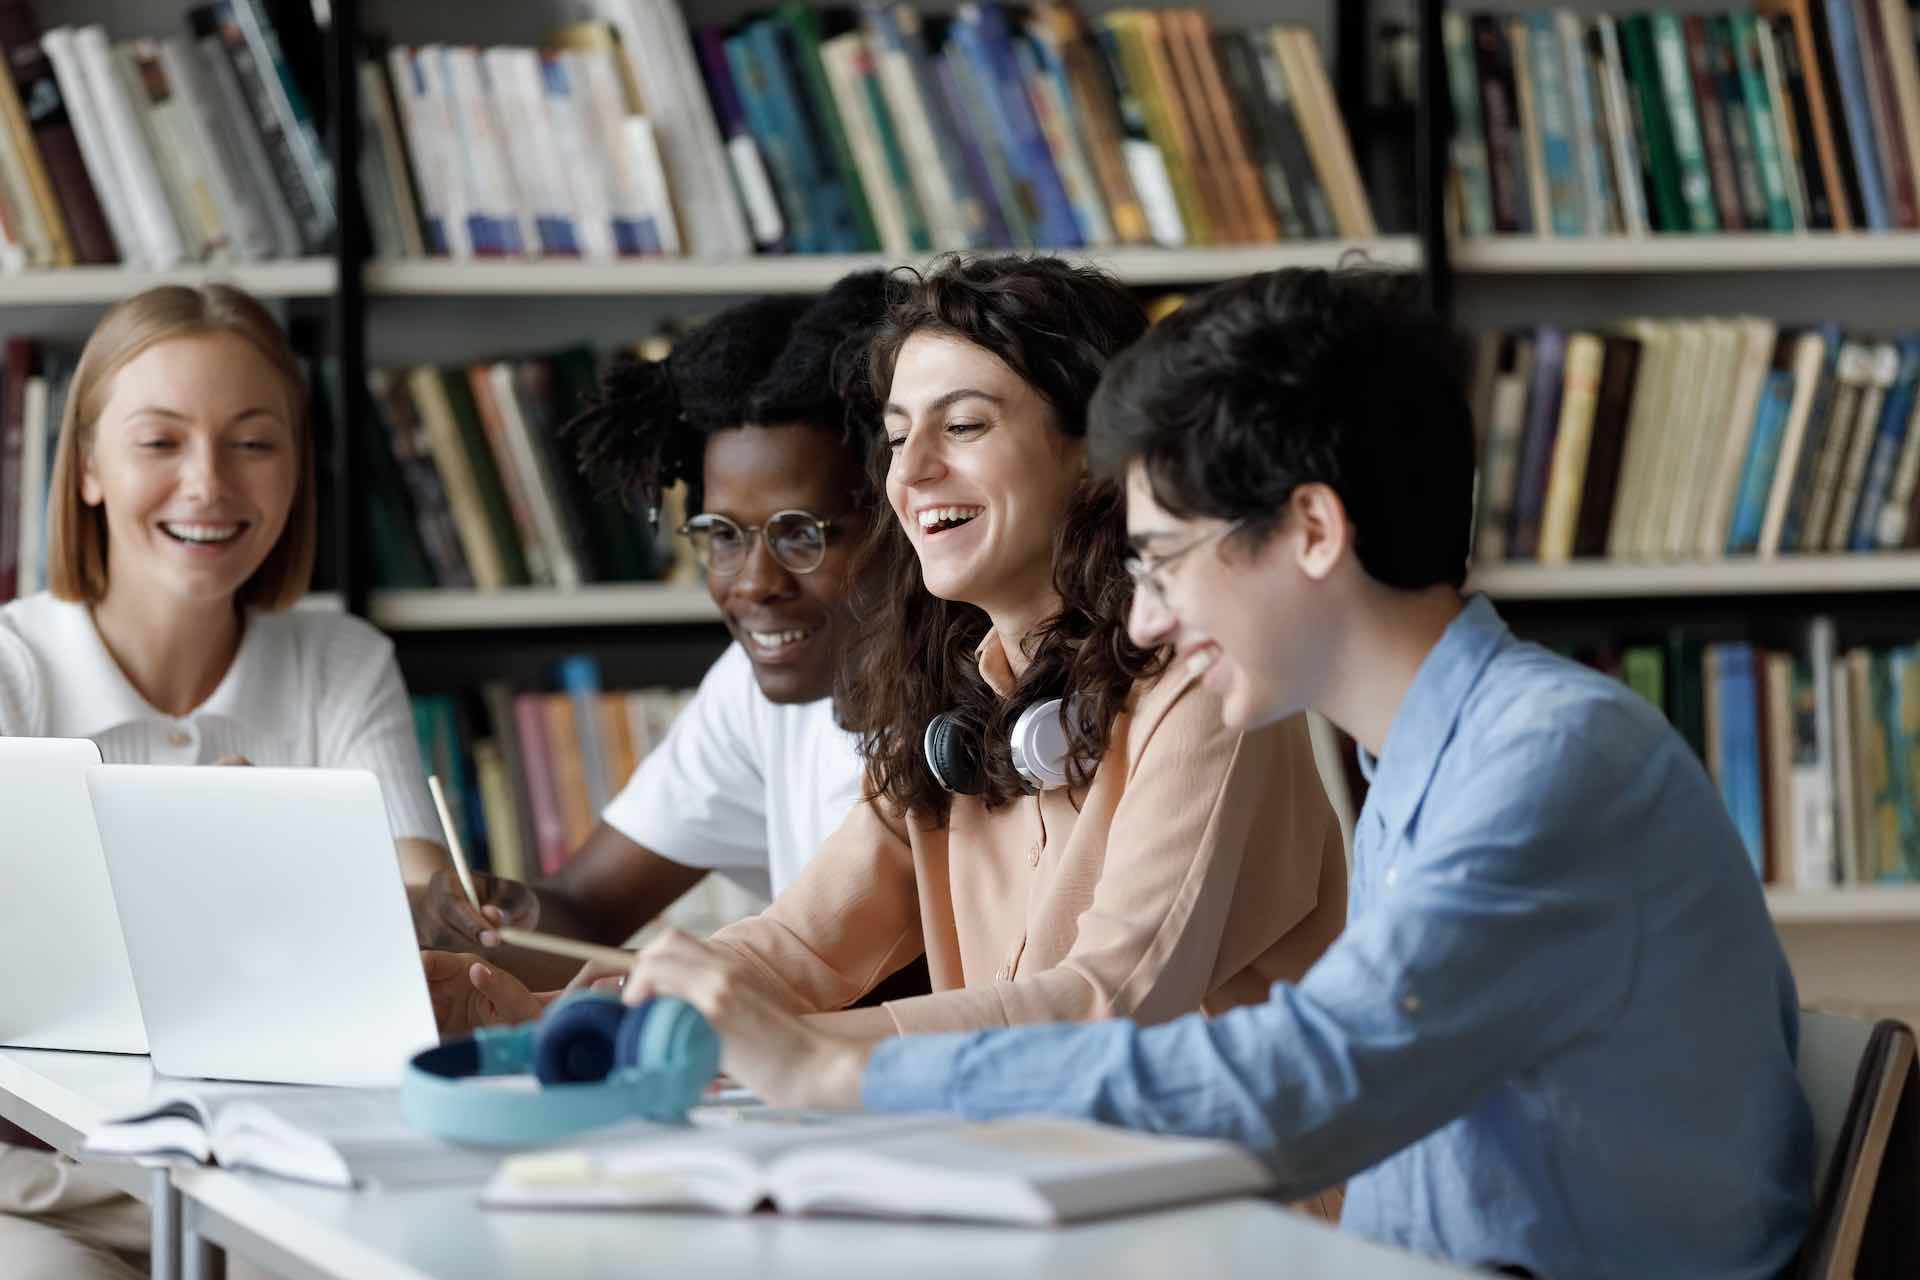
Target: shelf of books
602,604
1781,126
801,273
299,278
1786,575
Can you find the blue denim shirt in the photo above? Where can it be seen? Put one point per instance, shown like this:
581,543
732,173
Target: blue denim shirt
1558,1031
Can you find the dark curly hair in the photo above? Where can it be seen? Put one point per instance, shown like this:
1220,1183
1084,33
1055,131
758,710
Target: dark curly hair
776,359
1056,325
1304,376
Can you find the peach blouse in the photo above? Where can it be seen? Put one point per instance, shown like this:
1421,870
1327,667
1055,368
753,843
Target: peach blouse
1201,866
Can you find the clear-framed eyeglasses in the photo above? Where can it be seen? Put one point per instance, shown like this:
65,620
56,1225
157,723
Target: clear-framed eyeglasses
797,539
1148,572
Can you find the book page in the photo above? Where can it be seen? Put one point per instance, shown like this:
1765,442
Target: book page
365,1128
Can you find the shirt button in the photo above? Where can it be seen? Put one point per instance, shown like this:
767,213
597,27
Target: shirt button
1005,974
1410,1003
1393,876
179,738
1033,854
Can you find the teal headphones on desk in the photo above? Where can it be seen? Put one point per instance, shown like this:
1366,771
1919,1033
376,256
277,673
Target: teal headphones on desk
597,1060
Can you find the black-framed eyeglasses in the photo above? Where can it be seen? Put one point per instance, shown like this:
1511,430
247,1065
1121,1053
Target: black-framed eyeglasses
1146,571
797,539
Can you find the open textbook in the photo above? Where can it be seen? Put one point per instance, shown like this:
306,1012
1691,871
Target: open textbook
1032,1170
337,1137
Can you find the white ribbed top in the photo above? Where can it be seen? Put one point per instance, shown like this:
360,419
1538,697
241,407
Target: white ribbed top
307,689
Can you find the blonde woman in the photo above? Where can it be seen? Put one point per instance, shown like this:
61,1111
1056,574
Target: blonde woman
181,528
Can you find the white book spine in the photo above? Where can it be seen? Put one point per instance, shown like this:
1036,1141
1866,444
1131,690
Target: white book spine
586,179
603,109
429,167
33,485
234,123
658,47
126,141
90,131
182,170
756,190
514,78
495,191
466,237
250,236
13,250
652,175
1148,169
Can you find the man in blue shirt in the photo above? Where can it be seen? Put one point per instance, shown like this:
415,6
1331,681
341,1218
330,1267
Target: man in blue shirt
1558,1034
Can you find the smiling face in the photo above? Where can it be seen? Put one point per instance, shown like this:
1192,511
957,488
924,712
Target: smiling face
195,460
789,623
1245,619
980,476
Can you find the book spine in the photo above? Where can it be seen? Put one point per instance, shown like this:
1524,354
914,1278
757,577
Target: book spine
1469,139
1714,137
752,183
1291,141
1889,141
1885,367
1769,157
1589,138
981,31
1738,121
1763,455
550,831
53,134
1670,60
1888,444
272,87
1629,177
1536,454
1566,194
789,180
950,142
1856,112
1658,157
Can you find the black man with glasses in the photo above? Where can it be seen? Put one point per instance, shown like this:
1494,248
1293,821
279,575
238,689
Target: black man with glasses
758,414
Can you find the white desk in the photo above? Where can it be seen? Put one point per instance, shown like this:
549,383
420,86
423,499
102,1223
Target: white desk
309,1232
303,1232
59,1097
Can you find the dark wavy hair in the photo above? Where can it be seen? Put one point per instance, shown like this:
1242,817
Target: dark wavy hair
774,360
1056,325
1263,384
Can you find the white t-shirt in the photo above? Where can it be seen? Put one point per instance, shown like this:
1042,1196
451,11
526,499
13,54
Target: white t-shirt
307,689
742,785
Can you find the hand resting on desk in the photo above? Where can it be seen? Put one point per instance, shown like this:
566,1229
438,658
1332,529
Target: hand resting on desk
444,920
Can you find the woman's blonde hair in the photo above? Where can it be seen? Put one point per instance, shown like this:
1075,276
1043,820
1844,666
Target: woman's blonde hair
77,533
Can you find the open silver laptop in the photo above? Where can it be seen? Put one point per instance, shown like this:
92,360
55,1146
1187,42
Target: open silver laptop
266,922
66,984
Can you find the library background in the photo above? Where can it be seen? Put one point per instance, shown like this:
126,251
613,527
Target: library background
1680,242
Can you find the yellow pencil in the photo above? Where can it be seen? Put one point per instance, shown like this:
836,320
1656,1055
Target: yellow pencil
568,947
453,839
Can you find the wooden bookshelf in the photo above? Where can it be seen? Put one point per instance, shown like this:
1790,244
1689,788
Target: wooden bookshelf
603,605
300,278
1735,576
1683,254
807,273
1860,904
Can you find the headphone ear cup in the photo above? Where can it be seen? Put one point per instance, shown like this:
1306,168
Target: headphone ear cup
668,1039
577,1042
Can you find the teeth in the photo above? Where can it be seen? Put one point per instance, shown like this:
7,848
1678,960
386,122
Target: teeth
778,639
945,515
202,532
1199,660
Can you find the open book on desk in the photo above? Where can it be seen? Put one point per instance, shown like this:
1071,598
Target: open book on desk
1033,1170
336,1137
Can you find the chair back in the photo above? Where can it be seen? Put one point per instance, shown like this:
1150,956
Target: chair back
1866,1134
